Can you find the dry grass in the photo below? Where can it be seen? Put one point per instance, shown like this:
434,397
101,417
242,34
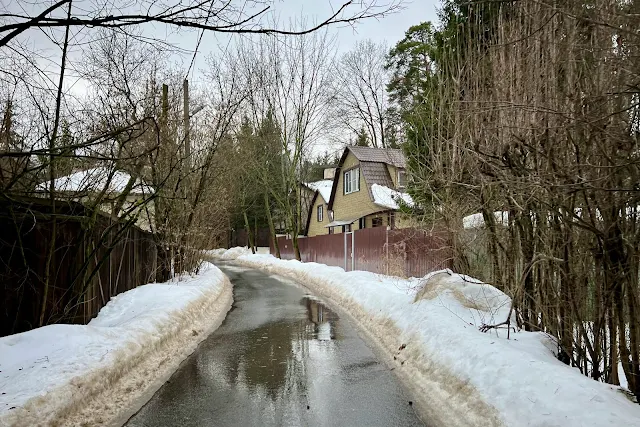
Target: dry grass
437,284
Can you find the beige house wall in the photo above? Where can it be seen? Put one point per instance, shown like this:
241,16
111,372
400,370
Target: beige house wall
354,205
393,172
317,228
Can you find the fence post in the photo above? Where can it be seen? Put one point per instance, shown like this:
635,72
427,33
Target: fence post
386,248
353,251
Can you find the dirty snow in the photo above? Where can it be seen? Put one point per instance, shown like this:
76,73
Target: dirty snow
95,180
388,198
464,376
45,372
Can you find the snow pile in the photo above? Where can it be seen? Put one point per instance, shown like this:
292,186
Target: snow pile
95,180
87,374
477,221
388,198
323,187
457,374
234,253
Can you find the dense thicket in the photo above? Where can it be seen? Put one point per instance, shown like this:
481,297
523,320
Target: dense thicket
532,109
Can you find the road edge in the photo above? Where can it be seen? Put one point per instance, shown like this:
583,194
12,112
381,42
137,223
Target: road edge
111,395
440,399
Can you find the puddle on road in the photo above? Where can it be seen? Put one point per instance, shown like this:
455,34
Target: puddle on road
280,358
275,354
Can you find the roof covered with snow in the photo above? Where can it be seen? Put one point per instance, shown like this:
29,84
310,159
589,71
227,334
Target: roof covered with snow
323,187
95,180
389,198
477,221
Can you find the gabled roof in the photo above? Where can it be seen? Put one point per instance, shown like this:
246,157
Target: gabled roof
373,167
390,156
375,173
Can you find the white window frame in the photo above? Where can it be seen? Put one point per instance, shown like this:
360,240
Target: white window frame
320,213
351,181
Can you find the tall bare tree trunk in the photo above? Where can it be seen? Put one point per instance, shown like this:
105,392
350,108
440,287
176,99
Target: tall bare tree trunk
249,234
272,229
49,267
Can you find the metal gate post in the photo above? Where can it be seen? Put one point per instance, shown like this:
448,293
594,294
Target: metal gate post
353,250
345,251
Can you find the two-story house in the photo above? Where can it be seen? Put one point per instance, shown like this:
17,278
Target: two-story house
367,191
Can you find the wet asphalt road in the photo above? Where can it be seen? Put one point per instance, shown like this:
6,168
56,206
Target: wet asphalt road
281,358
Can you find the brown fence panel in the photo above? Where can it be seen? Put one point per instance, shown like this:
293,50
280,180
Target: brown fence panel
120,260
369,249
404,252
327,249
423,251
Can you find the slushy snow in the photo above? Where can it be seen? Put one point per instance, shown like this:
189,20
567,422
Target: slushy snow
49,373
463,376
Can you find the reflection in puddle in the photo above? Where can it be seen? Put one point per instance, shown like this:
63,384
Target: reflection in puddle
321,317
282,358
271,360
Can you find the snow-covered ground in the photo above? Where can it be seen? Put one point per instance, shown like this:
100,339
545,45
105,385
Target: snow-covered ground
459,375
88,374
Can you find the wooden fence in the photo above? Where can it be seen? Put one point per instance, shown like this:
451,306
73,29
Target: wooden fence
404,252
90,264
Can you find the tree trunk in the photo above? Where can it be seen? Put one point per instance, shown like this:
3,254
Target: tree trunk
296,248
248,230
272,229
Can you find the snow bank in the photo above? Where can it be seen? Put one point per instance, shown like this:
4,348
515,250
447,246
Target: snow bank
457,374
234,253
88,374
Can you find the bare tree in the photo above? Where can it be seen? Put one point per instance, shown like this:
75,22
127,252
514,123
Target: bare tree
291,80
361,93
233,16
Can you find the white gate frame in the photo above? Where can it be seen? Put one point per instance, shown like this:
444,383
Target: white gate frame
353,242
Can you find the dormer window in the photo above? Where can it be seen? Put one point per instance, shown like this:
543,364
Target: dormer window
402,178
351,180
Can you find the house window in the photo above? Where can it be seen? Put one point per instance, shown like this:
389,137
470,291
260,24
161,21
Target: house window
320,213
362,223
346,228
330,215
376,222
402,179
330,230
352,181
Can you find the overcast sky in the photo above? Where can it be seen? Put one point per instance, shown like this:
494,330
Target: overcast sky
47,55
389,29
